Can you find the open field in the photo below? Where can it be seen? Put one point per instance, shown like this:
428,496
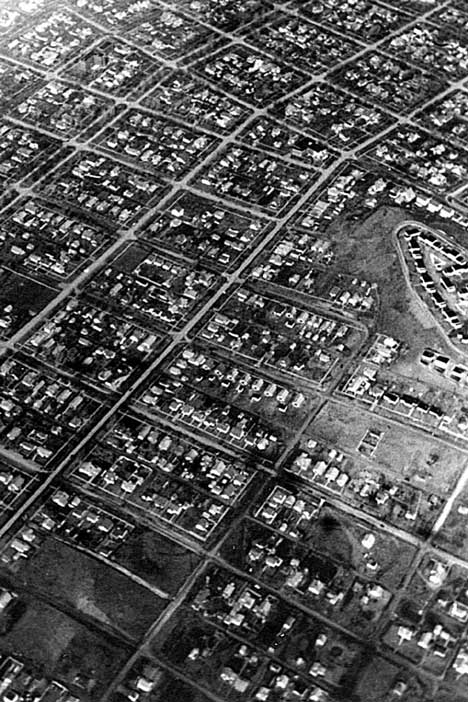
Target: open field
62,648
367,251
407,455
91,587
453,536
156,559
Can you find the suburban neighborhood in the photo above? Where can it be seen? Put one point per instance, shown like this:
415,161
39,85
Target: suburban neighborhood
234,351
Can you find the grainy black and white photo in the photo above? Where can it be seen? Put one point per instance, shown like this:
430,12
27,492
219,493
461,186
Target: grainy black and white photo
233,350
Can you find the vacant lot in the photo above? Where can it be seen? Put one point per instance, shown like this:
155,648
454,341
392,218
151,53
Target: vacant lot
453,535
408,365
367,250
130,258
92,588
156,559
61,648
26,297
378,678
425,461
172,689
